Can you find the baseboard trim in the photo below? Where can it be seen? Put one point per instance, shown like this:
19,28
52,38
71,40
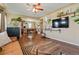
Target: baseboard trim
64,43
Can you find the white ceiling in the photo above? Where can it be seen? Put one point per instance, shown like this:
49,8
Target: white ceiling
20,8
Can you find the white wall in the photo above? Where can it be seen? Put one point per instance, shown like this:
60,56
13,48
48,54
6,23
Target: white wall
27,19
9,17
69,35
33,21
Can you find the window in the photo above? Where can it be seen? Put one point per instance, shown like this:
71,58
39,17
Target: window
29,25
0,21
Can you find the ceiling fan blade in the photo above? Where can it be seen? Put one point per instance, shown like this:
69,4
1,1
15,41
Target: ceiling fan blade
29,6
34,7
40,9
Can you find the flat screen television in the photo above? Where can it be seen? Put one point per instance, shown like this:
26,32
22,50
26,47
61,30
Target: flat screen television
60,23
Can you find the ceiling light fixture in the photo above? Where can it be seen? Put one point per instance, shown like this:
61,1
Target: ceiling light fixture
35,7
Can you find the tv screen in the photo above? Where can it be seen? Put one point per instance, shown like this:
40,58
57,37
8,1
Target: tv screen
60,23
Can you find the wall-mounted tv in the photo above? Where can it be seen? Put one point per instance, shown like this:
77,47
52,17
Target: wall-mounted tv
60,23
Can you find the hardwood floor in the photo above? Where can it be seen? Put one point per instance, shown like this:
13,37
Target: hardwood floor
36,40
46,46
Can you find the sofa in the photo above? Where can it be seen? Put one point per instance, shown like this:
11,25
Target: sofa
9,45
12,48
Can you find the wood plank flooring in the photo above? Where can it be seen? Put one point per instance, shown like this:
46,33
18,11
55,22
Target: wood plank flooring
46,46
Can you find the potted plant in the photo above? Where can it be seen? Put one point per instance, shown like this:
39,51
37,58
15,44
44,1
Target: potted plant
15,21
77,21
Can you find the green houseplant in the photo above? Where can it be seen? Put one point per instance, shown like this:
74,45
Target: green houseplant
77,21
15,21
49,21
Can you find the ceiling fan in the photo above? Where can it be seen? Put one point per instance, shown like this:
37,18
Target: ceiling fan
35,7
